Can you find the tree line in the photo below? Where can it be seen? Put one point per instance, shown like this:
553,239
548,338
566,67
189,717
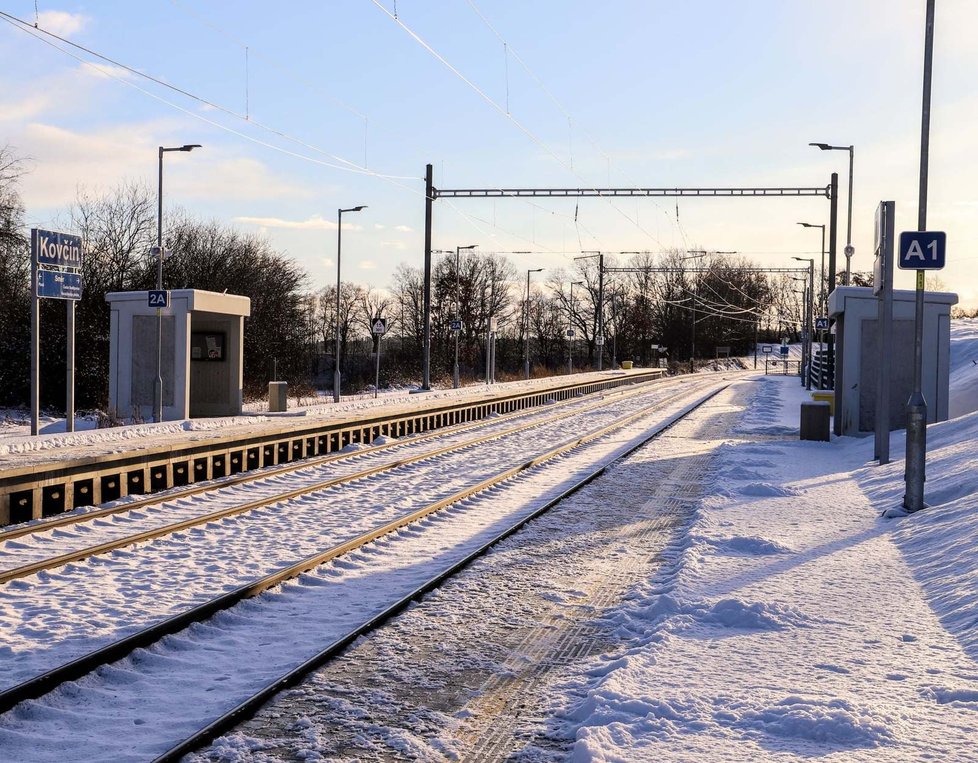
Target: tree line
648,301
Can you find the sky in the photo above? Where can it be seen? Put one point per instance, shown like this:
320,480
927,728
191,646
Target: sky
307,107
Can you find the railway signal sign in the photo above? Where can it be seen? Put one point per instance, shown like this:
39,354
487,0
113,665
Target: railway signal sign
158,298
570,333
922,250
767,349
379,326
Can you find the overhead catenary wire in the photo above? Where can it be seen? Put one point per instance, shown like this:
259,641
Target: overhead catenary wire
43,36
571,122
502,111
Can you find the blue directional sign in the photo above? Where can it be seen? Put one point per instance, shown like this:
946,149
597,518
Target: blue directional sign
60,250
159,298
784,349
455,325
822,324
922,250
55,284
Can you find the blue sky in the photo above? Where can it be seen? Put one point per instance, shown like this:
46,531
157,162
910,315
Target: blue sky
649,93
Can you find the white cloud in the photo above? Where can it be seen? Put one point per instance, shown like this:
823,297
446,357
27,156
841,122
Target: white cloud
316,222
378,226
367,265
27,107
404,229
61,23
399,245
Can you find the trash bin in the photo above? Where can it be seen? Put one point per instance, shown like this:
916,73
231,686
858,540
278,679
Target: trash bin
815,421
626,364
278,396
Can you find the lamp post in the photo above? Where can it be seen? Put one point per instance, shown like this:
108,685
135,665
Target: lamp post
339,243
158,385
821,284
849,250
526,325
570,319
458,290
811,289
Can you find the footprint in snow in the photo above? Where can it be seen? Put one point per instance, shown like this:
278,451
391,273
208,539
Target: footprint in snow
766,489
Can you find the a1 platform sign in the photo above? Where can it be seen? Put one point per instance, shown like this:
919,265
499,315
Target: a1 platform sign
822,324
922,250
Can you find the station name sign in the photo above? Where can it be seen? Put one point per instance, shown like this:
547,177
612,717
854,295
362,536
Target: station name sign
60,250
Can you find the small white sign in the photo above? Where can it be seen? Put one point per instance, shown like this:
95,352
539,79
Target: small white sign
380,326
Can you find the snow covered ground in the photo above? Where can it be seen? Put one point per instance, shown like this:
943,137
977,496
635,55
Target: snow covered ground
789,622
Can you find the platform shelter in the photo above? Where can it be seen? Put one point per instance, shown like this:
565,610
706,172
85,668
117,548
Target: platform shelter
202,354
855,311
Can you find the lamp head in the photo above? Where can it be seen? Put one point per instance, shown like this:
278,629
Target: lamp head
823,146
189,147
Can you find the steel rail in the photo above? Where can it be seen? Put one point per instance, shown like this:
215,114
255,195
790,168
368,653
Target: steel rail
166,529
267,472
247,709
81,666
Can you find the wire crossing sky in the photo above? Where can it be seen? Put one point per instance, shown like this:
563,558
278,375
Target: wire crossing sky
322,105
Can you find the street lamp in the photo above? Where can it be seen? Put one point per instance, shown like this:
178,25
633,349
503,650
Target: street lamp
570,327
158,385
526,325
821,275
458,289
849,250
339,242
811,289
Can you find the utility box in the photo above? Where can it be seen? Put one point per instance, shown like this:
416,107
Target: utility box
202,354
278,396
855,310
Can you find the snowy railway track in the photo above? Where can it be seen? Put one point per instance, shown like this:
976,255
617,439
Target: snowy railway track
162,524
383,537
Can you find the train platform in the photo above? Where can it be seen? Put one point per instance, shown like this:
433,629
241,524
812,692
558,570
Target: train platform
51,473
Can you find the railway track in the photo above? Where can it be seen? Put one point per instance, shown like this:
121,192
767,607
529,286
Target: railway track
458,498
497,427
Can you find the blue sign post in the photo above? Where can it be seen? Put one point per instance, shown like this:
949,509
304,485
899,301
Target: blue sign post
56,263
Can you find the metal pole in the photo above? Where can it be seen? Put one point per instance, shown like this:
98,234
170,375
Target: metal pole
913,499
336,356
757,332
823,305
849,225
458,287
428,198
488,354
601,310
570,327
526,330
692,335
614,327
35,342
377,369
158,385
70,368
811,318
833,230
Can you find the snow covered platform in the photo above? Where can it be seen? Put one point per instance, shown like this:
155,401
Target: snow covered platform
49,474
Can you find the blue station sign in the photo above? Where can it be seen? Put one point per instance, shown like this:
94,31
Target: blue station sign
55,284
922,250
60,250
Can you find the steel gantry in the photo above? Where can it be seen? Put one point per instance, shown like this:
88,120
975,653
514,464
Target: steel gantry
830,192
